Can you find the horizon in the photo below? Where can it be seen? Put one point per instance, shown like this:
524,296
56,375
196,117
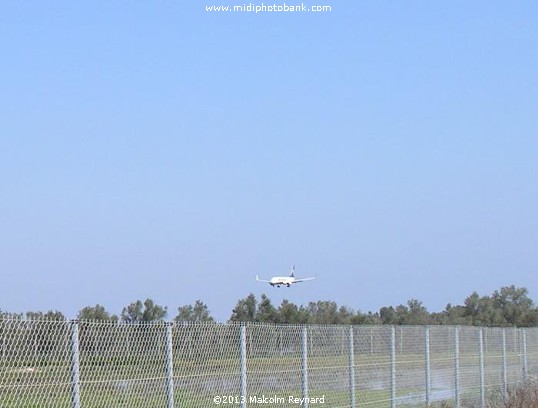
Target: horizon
168,317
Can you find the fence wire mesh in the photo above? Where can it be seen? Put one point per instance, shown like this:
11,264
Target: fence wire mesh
84,364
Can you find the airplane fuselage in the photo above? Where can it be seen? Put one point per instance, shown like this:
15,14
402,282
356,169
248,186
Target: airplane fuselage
282,280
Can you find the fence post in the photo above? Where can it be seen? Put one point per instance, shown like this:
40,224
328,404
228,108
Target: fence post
371,341
169,367
401,340
457,365
504,373
524,355
481,362
243,364
305,366
427,364
351,368
75,366
392,366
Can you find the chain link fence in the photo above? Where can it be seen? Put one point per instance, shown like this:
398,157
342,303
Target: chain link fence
83,364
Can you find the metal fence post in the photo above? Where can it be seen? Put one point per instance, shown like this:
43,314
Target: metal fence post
75,366
243,364
524,355
305,366
481,362
392,367
427,364
351,369
504,373
371,341
169,367
457,366
401,340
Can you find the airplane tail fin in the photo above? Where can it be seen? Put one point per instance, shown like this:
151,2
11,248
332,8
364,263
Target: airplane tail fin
292,272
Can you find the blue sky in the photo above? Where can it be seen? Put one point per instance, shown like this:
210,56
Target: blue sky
153,149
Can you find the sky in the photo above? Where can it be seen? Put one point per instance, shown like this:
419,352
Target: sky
153,149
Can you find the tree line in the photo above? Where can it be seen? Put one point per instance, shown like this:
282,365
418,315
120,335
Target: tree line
509,306
135,312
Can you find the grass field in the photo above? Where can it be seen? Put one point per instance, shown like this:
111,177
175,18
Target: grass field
141,382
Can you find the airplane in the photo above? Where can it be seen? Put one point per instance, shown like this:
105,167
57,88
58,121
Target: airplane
284,280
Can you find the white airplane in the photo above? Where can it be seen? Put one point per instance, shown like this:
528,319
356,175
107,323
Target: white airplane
284,280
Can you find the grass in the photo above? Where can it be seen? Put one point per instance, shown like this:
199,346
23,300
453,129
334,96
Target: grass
525,396
140,381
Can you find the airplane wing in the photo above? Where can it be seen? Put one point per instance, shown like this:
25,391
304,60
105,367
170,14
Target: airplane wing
303,279
261,280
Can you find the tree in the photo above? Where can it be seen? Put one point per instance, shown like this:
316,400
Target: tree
266,311
414,313
288,312
51,315
96,312
507,306
345,315
366,318
452,315
473,309
153,312
387,315
245,310
10,316
529,319
132,313
400,314
138,312
490,314
513,303
418,314
323,312
197,313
